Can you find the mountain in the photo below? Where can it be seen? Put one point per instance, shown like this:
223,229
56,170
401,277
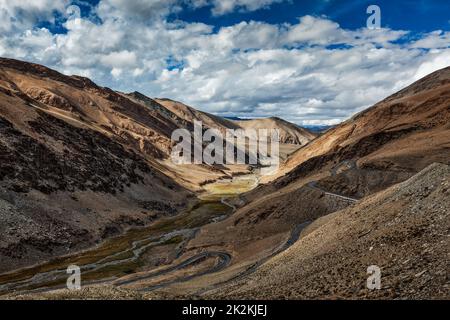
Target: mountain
289,132
234,118
382,145
343,171
190,114
318,129
79,163
402,230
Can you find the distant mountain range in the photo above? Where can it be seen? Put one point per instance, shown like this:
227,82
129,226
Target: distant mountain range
317,129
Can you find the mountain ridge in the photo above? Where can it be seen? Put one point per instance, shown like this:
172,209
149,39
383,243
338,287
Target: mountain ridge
82,163
103,152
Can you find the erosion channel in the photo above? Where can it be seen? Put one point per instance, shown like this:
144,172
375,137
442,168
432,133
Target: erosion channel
151,256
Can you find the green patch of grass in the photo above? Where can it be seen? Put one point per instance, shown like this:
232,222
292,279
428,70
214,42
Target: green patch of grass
174,240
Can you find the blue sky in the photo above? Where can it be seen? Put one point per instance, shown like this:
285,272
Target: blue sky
310,62
414,15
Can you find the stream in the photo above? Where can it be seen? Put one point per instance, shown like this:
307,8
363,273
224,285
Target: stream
125,255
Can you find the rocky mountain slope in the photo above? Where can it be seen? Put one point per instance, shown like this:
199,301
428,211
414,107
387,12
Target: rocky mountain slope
289,132
378,148
81,162
382,145
78,163
374,150
190,114
403,230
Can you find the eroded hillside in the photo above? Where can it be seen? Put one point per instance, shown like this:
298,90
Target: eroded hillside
403,230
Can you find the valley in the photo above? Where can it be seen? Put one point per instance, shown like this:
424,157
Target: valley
148,253
86,179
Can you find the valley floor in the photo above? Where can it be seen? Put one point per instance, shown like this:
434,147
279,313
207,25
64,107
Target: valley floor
325,259
146,258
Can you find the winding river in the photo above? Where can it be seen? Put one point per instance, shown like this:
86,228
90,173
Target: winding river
124,255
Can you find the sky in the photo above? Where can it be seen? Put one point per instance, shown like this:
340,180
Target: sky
310,62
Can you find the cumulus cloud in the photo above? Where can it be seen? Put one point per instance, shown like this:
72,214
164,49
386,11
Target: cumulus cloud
144,10
434,40
438,59
21,14
222,7
312,71
120,59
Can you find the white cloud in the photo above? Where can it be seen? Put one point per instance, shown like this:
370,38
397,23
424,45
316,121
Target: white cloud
116,72
21,14
438,59
433,40
250,69
144,10
316,30
222,7
120,59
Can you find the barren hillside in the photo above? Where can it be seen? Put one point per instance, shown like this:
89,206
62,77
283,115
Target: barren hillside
289,132
382,145
82,162
77,166
403,230
190,114
339,168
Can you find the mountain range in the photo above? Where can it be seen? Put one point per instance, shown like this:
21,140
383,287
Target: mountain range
81,163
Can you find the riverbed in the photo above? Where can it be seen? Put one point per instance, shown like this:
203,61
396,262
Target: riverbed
132,252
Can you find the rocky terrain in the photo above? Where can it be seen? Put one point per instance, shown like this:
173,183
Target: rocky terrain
379,148
289,132
82,163
366,154
75,168
404,230
190,114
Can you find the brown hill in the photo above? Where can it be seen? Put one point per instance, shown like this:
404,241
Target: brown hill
291,138
81,162
289,132
344,194
384,144
190,114
78,163
403,230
